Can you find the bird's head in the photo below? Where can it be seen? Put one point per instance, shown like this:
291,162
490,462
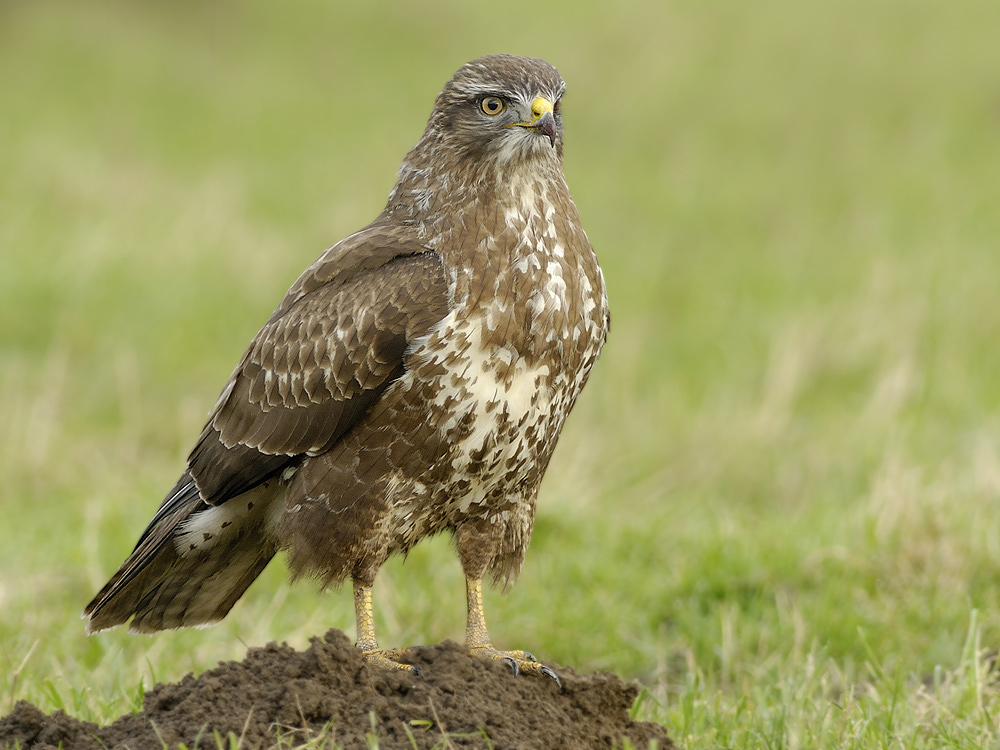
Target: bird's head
501,109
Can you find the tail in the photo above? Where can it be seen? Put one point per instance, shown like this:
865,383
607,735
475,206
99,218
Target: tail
191,564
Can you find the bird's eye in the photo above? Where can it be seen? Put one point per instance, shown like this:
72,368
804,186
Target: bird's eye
492,105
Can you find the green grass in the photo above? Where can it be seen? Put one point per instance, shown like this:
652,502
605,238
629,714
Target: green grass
776,504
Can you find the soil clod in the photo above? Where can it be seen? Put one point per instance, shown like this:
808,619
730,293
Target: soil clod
280,695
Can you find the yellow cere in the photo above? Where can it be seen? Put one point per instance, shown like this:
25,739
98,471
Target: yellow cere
539,107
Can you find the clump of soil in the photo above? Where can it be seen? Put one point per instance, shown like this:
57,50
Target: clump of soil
328,692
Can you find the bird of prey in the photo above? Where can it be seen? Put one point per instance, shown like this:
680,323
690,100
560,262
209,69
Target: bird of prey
414,380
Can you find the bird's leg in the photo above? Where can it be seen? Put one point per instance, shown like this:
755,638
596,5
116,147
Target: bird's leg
365,618
477,639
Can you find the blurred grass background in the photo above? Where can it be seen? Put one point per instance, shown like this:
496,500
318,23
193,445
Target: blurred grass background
775,506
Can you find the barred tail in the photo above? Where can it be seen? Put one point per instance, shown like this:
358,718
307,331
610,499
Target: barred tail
192,563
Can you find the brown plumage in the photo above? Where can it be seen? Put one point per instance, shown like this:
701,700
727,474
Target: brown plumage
414,380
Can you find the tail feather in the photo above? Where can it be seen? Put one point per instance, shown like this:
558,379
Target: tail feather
192,563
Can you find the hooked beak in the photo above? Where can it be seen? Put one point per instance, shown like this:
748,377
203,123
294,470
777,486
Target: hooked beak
543,119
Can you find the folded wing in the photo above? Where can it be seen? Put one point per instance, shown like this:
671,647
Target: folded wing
334,345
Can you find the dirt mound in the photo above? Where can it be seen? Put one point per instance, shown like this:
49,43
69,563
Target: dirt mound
327,691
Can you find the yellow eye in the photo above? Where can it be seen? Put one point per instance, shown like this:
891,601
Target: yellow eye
492,105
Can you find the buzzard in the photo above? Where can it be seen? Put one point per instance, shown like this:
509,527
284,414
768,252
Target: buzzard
413,380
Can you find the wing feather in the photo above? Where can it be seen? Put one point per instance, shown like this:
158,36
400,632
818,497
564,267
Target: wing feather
332,347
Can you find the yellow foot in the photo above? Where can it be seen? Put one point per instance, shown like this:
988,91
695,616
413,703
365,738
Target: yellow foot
518,661
389,659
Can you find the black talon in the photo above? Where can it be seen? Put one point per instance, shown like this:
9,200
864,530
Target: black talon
531,656
513,665
549,672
